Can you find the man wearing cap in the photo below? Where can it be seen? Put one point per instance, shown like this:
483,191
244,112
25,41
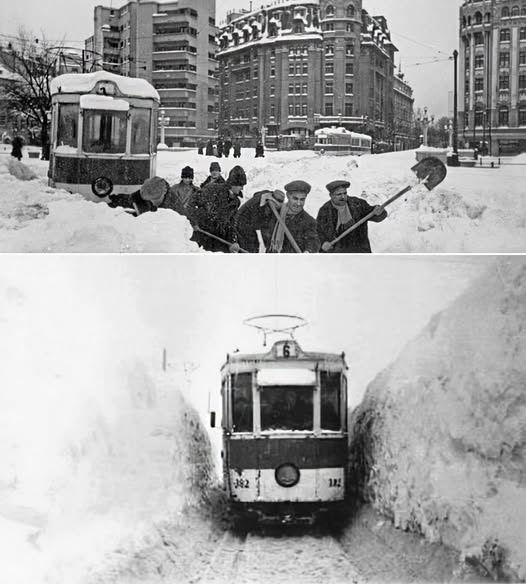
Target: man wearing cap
182,192
340,213
295,227
213,210
154,194
215,175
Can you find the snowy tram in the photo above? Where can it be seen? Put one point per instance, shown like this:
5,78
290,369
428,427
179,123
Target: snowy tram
284,429
103,133
341,141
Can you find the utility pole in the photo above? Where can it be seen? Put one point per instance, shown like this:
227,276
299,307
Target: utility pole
454,156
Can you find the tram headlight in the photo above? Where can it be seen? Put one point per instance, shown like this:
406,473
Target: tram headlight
287,475
102,186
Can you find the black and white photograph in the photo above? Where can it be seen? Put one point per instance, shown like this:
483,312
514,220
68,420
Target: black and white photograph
186,400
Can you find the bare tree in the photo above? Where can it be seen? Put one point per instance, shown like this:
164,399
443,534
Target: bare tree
34,64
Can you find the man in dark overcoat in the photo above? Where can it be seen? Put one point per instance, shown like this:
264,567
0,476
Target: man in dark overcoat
213,209
340,213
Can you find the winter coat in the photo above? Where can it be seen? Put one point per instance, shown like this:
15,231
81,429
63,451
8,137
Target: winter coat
260,151
179,197
302,228
213,209
16,149
227,147
237,150
358,240
250,218
209,180
140,205
209,151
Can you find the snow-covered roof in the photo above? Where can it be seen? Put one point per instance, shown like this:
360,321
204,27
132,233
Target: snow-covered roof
339,130
103,102
86,82
286,377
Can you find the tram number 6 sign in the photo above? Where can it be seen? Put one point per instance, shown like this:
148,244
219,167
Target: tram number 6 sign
286,350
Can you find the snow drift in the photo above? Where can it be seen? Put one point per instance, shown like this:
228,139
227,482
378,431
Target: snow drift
473,210
439,441
99,447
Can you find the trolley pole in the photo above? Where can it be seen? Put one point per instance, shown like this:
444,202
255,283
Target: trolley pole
164,359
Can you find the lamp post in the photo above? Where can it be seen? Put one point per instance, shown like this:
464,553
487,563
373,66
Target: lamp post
449,129
454,156
426,121
163,121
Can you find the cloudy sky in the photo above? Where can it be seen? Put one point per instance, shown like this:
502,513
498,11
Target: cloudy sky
425,31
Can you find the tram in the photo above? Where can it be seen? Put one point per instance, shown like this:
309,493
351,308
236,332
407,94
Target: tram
338,140
284,428
103,133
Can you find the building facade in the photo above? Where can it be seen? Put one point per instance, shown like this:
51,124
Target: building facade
403,102
173,46
492,75
292,67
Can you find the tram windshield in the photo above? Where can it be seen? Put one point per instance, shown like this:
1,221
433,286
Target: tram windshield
330,413
286,407
140,130
67,130
104,131
242,416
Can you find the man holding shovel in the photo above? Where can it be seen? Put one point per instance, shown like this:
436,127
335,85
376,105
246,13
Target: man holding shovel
342,212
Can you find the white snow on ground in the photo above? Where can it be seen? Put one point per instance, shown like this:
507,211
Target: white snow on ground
98,445
473,210
441,433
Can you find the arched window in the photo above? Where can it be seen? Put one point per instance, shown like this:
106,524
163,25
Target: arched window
487,17
515,11
329,11
504,115
523,11
505,12
478,17
350,11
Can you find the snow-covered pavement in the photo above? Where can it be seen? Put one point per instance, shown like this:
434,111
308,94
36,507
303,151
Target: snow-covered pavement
475,210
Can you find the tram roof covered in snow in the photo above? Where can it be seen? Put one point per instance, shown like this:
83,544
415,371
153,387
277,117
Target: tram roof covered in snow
87,82
339,130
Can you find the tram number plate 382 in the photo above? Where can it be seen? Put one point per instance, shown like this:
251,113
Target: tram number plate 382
335,483
241,483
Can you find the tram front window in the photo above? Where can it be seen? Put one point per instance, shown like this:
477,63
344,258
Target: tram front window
140,131
286,407
330,417
68,115
242,402
104,131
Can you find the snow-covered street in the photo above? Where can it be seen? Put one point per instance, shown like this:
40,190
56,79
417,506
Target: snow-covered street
475,210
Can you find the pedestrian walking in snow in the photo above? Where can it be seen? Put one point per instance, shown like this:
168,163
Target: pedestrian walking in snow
260,150
237,149
209,151
214,176
219,148
16,145
227,147
213,210
340,213
182,192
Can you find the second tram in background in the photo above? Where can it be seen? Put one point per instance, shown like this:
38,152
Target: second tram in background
341,141
284,432
103,133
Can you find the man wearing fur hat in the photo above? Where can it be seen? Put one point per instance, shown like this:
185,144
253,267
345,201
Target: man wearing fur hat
182,192
154,194
215,175
340,213
213,210
294,231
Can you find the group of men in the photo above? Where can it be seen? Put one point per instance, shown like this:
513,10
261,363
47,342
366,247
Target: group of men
221,223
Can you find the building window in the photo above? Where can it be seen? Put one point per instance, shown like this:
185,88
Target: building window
349,68
348,110
329,87
522,58
505,12
522,116
479,62
303,109
328,109
305,68
297,109
515,11
272,110
349,27
328,26
479,38
466,86
522,81
504,59
298,88
479,84
350,11
291,69
329,49
349,89
504,35
291,109
291,88
349,50
504,115
487,17
478,17
522,33
304,88
479,116
329,11
272,89
273,71
504,81
329,68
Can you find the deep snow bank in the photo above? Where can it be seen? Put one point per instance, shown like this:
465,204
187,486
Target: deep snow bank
98,445
473,210
439,441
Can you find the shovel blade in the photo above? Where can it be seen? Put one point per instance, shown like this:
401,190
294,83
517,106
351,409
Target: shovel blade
431,170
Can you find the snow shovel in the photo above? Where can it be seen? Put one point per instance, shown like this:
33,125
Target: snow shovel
213,236
430,171
285,228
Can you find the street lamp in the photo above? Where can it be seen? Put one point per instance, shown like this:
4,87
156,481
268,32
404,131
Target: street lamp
454,156
163,121
426,121
449,129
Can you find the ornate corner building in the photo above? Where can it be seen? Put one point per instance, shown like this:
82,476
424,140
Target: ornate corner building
492,71
173,46
291,67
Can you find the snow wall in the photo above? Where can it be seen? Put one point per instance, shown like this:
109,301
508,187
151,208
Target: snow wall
99,446
439,441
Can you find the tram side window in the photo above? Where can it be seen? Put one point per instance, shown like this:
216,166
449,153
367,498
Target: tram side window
242,411
330,400
67,130
286,407
140,131
104,131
